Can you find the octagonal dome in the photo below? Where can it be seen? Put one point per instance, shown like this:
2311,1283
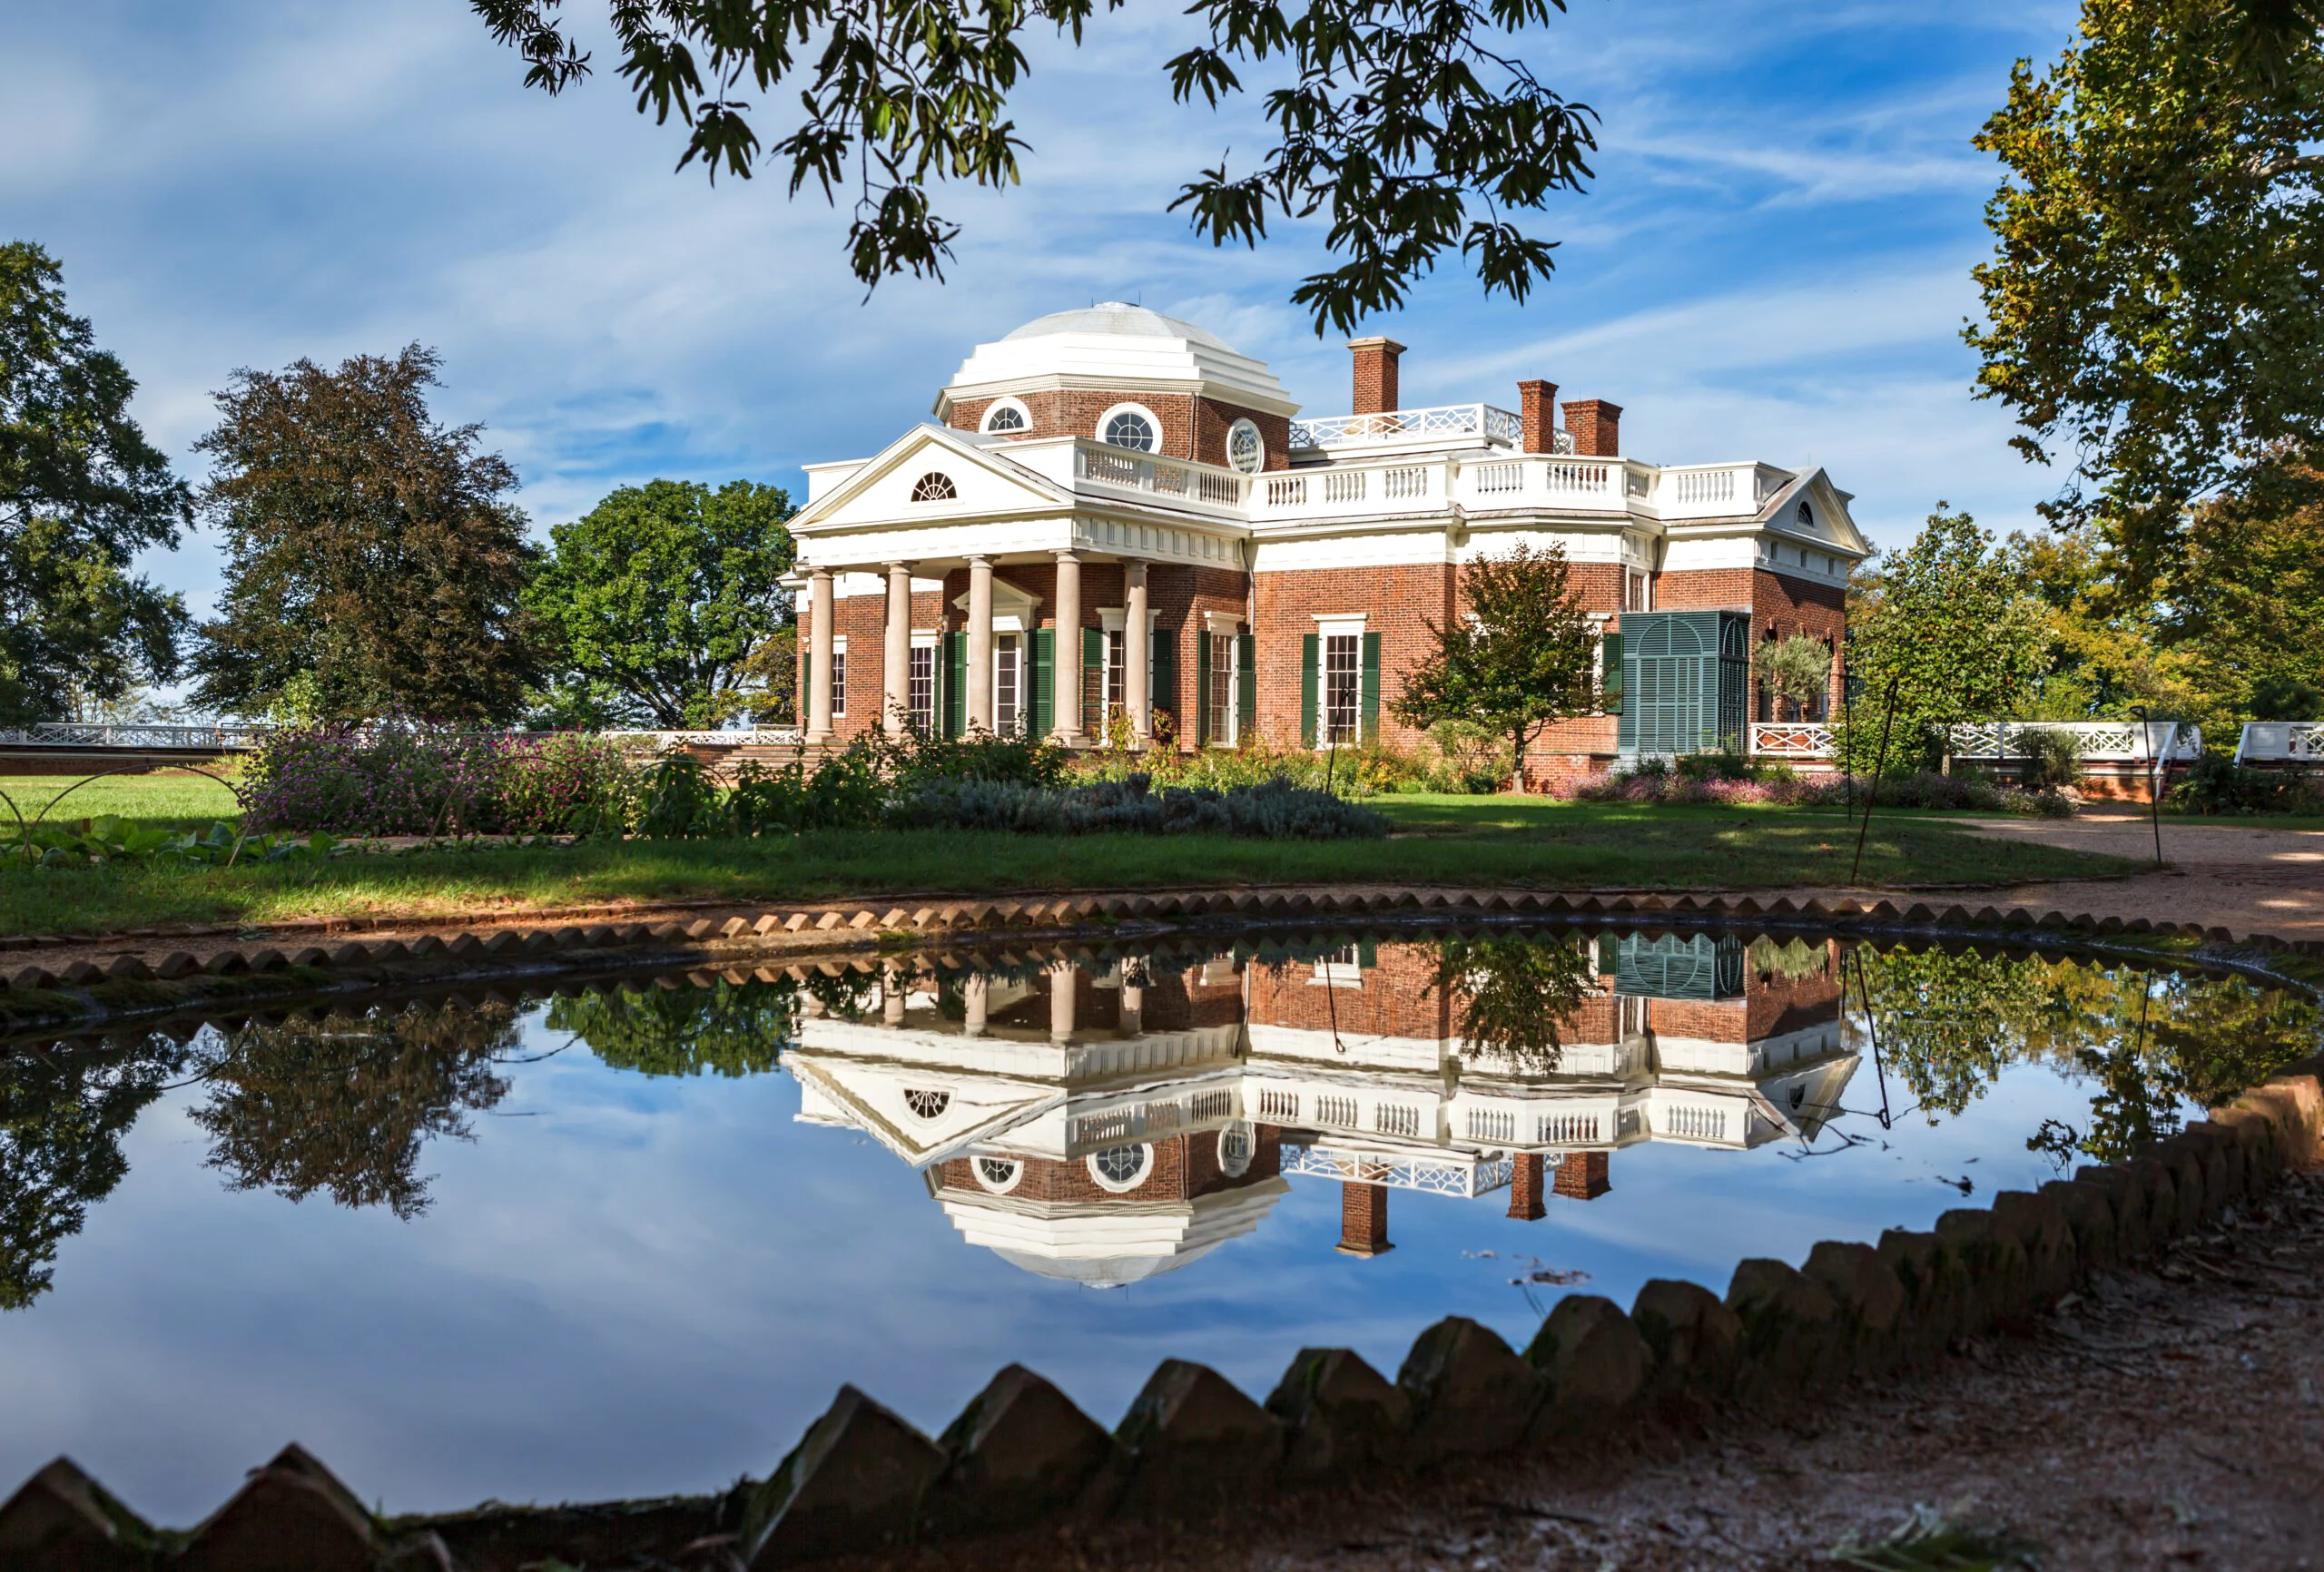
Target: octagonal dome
1116,347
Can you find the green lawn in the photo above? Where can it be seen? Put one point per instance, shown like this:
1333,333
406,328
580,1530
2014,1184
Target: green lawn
179,801
1442,840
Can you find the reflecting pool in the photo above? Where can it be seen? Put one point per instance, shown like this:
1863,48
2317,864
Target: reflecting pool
627,1238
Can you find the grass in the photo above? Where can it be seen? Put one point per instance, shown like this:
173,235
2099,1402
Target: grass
1503,841
173,800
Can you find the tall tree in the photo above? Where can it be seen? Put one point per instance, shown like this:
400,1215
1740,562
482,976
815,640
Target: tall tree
81,491
372,553
1413,128
1519,659
657,597
730,1029
1947,629
2153,307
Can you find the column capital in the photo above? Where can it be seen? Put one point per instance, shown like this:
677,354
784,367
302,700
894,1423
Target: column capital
821,572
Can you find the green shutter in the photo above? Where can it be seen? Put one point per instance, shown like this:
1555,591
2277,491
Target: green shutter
1307,652
1093,681
1202,689
1042,706
956,684
1370,689
1247,688
1609,686
1367,954
1162,676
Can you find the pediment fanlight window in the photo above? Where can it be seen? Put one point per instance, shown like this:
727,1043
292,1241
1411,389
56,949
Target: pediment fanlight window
934,487
925,1103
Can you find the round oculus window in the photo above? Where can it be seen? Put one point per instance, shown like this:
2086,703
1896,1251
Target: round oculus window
1129,428
1121,1168
1246,449
1235,1146
998,1174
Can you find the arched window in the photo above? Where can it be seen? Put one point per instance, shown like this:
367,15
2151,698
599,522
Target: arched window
934,487
925,1104
1129,425
1246,450
998,1174
1006,414
1121,1168
1234,1150
1807,516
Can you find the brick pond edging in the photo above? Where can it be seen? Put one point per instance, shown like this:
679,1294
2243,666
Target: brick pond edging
141,971
863,1480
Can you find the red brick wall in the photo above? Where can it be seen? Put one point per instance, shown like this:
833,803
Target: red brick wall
1399,997
1075,412
1184,1167
1396,603
1596,426
1213,419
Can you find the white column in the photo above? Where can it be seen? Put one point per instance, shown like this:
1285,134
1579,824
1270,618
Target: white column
1064,981
980,715
1138,653
1133,1016
1068,647
893,987
818,655
975,993
896,659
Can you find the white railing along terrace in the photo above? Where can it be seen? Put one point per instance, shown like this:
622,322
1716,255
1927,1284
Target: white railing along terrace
2280,742
76,735
2102,741
1122,469
1479,420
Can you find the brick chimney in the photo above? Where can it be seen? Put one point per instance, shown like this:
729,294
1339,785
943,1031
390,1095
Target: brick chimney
1363,1219
1526,1182
1375,374
1597,427
1537,407
1582,1175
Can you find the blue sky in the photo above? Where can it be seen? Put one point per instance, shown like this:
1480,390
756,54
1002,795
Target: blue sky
1773,261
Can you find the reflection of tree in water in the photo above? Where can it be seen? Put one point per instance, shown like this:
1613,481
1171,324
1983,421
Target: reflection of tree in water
61,1117
726,1029
1514,992
344,1104
1949,1024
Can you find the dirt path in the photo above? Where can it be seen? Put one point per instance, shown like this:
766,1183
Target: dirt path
2162,1417
2251,879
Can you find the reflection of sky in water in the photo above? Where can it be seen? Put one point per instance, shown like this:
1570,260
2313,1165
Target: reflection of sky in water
629,1285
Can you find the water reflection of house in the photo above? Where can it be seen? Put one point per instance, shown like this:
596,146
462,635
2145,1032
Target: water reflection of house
1104,1125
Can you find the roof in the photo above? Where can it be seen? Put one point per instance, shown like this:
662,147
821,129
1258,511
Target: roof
1120,347
1117,317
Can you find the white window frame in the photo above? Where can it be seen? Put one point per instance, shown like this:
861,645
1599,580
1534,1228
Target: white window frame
985,1181
1221,626
1343,968
984,424
1328,628
933,643
1015,646
1122,1186
839,676
1246,424
1637,579
1153,422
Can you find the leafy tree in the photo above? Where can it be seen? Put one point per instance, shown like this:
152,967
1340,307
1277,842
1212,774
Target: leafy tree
2152,308
727,1029
1413,128
657,599
371,549
1796,671
1946,627
1519,659
81,491
2243,598
343,1105
63,1114
1515,991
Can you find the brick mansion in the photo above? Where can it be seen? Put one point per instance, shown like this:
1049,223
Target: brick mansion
1120,526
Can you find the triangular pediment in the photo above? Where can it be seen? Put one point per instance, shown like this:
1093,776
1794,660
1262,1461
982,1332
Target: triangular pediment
894,486
1829,520
921,1113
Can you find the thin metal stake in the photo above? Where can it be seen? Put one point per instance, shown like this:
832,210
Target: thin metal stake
1887,717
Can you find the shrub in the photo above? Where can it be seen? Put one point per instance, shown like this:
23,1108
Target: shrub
2053,758
1921,789
566,780
1272,809
1716,764
2215,784
403,777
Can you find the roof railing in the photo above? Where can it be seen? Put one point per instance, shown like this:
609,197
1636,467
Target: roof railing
1483,421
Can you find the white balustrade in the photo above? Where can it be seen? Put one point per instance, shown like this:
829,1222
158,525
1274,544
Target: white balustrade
209,738
1150,475
1346,485
1287,491
2280,742
751,737
1493,480
1407,484
1482,421
2102,741
1791,739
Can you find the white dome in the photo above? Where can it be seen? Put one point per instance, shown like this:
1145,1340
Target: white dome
1117,317
1116,347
